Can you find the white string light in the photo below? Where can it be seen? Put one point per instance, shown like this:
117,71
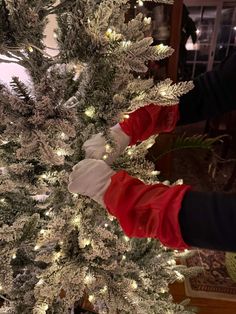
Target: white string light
36,248
104,290
105,157
134,284
140,3
88,279
91,298
126,116
61,152
90,112
108,148
126,239
147,20
155,173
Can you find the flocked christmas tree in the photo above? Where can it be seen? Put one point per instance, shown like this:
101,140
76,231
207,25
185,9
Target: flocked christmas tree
56,248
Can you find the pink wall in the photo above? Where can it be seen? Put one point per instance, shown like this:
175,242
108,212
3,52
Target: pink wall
8,70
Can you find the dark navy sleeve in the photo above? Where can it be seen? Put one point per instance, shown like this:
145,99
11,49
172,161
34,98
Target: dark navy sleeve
208,220
214,94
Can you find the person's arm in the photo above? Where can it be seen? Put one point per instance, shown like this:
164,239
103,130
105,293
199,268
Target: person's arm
214,93
146,211
143,210
149,120
208,220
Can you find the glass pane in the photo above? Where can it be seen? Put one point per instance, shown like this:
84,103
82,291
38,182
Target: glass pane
227,15
220,52
203,52
216,63
208,15
224,34
195,12
200,68
205,33
188,72
233,36
191,54
232,48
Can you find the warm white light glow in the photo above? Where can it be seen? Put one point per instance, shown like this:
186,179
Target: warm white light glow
90,112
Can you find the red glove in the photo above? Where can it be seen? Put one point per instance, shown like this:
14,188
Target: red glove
149,120
146,211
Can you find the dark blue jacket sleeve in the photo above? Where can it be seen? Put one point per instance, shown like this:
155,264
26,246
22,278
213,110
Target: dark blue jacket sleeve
214,94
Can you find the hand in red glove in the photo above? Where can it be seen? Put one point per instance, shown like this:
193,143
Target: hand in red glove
143,211
140,125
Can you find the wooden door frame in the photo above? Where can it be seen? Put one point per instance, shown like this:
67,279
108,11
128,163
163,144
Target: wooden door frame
219,5
175,31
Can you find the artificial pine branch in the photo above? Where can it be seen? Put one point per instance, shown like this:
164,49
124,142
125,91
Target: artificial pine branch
21,89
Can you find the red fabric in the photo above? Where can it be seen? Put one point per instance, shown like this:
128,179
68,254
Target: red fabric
146,211
149,120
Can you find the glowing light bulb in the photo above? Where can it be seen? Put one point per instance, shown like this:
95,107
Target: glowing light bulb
30,49
179,182
76,221
47,213
14,256
134,284
109,31
171,262
155,173
108,148
1,287
147,20
85,242
4,142
90,111
2,200
105,157
36,247
91,298
89,279
61,152
126,239
163,93
106,225
55,35
104,289
126,116
140,3
166,182
40,282
179,275
124,257
63,136
130,153
163,290
42,231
